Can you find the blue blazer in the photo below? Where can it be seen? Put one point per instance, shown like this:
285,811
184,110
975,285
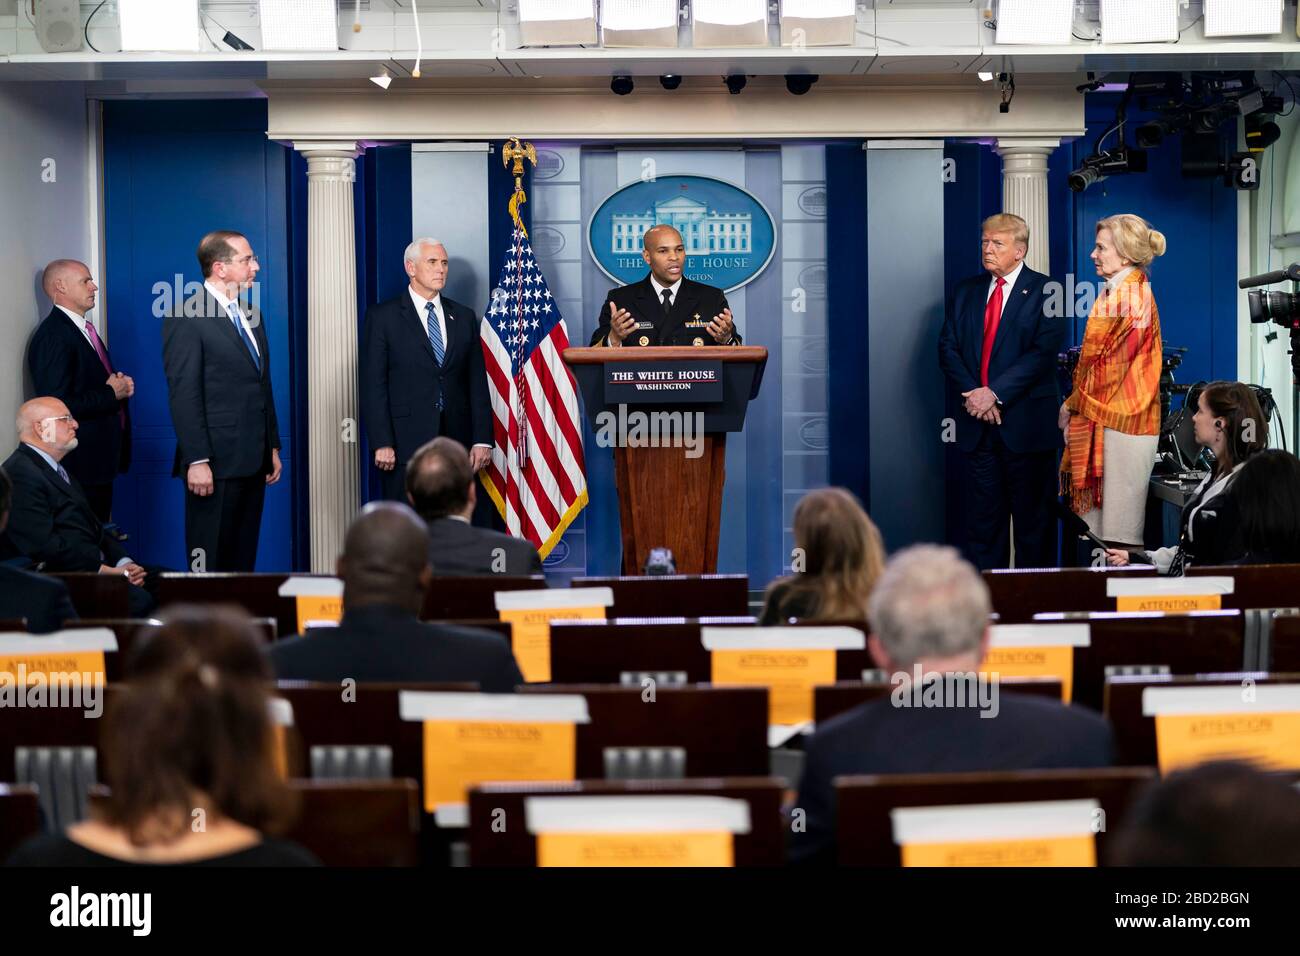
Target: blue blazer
1022,368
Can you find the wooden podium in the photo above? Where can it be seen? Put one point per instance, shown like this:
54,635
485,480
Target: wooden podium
666,499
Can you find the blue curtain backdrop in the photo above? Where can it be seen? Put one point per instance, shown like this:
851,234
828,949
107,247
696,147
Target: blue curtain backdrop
172,172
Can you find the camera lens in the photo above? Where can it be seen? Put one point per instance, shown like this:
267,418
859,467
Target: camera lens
1084,177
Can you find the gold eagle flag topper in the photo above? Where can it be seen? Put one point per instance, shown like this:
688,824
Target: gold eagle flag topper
516,152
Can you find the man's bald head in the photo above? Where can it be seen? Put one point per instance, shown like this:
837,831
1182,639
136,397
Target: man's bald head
30,414
55,438
67,282
660,235
664,253
385,557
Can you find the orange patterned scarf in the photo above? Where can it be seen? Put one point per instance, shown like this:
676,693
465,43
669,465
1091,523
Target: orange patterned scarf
1116,384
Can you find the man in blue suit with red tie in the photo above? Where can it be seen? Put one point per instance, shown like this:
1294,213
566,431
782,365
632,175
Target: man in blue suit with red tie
998,349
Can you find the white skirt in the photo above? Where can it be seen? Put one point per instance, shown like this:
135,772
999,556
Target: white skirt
1127,461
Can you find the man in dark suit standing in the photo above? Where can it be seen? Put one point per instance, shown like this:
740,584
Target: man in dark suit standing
385,572
68,360
422,371
41,600
998,349
440,486
664,308
929,616
219,388
51,521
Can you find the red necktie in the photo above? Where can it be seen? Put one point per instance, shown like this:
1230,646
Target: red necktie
992,316
103,357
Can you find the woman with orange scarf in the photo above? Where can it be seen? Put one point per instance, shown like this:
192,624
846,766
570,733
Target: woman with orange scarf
1111,419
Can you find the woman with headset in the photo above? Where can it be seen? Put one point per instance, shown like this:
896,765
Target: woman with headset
1230,423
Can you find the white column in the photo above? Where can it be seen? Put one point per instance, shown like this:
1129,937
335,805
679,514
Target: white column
1024,192
332,418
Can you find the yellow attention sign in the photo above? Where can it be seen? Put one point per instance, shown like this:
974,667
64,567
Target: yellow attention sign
314,608
1055,662
459,754
1269,739
703,848
789,676
1042,851
27,668
530,636
1169,603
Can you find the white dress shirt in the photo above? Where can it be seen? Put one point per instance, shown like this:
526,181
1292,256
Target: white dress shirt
54,466
440,310
80,321
225,311
421,304
659,290
1010,280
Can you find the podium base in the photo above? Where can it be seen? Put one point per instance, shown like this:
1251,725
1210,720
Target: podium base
666,500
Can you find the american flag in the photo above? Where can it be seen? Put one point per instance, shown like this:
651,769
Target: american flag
536,477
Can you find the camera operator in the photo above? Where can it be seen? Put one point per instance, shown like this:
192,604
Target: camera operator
1230,423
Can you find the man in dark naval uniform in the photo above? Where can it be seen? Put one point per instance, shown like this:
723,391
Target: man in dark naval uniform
664,308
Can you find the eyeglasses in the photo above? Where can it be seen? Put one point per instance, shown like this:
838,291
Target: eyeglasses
243,260
59,418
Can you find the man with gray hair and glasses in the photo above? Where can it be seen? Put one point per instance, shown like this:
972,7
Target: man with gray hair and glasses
929,619
422,371
51,521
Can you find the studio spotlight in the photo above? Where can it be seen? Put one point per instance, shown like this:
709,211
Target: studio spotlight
670,81
800,83
985,77
621,85
382,80
735,83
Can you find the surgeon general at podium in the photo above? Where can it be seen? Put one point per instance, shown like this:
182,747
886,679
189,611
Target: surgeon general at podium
664,308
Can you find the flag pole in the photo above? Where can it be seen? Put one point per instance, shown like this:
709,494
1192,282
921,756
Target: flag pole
516,152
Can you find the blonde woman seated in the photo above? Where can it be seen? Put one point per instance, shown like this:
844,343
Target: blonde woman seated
1111,419
840,554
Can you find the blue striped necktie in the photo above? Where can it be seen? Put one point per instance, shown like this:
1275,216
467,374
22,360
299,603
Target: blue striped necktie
244,336
435,339
435,333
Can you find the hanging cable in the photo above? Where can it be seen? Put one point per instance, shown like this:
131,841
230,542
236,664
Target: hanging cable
419,44
88,19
